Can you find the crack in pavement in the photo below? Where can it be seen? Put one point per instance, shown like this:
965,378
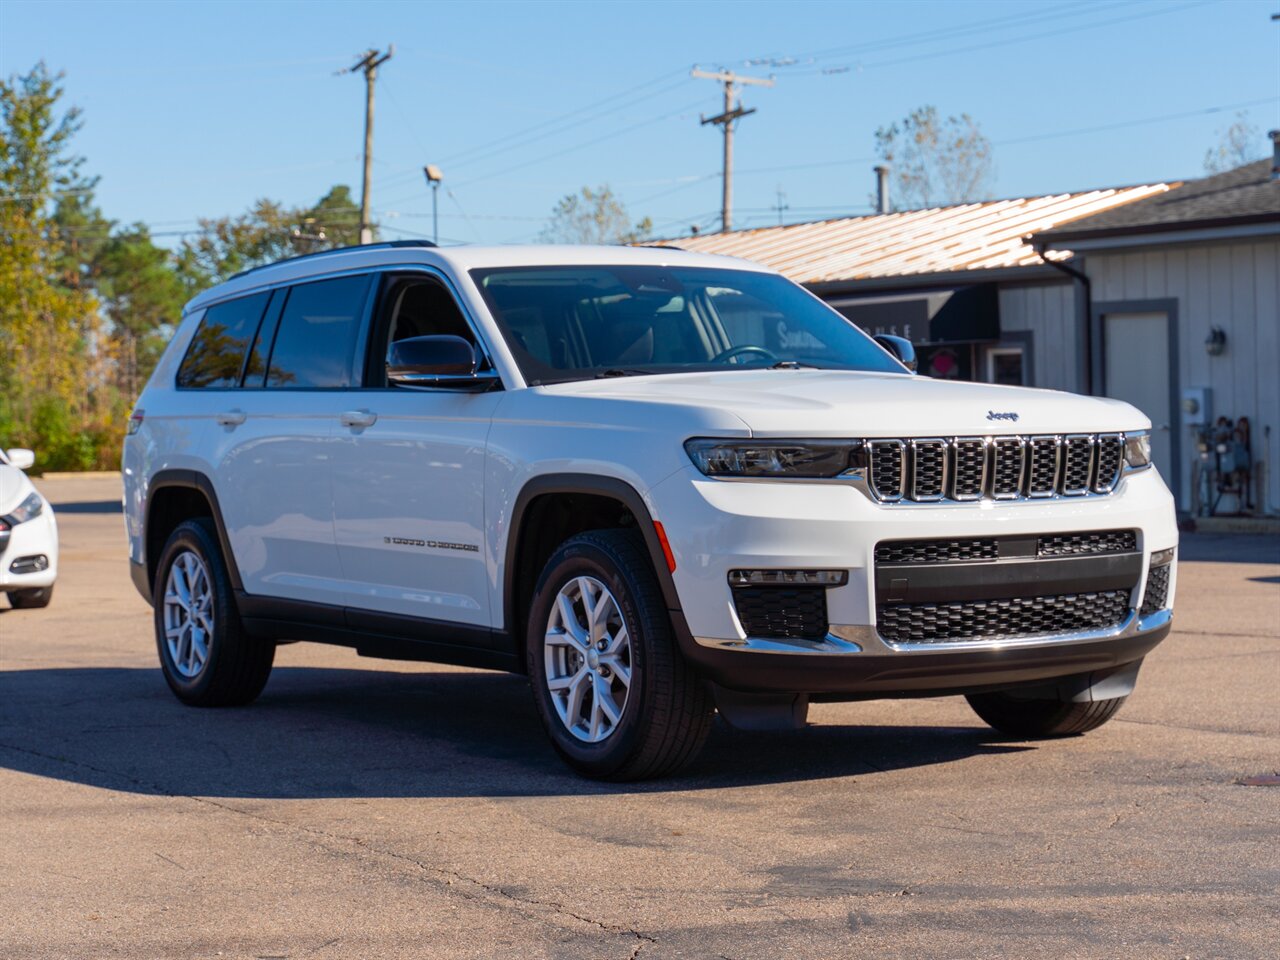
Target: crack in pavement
555,908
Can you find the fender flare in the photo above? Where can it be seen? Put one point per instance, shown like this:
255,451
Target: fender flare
594,485
191,480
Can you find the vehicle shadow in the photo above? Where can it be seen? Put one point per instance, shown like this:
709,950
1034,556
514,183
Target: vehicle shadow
317,733
89,506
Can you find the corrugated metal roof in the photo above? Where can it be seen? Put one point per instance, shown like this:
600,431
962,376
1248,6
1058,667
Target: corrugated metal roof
972,236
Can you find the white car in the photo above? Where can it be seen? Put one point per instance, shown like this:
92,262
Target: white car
28,534
658,483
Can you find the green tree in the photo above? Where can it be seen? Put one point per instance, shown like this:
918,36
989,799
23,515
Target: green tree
267,232
936,161
593,216
143,297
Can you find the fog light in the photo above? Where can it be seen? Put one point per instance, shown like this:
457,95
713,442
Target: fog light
787,578
1162,558
33,564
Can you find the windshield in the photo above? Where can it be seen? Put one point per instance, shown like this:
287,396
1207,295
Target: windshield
574,323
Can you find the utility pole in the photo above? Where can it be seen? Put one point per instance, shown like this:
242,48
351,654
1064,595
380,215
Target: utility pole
782,206
726,120
369,64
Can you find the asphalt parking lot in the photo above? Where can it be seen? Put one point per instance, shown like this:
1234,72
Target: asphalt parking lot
365,809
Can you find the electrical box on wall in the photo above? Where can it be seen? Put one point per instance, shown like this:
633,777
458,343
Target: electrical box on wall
1196,410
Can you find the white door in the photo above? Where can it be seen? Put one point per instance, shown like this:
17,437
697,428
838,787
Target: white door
1137,369
408,476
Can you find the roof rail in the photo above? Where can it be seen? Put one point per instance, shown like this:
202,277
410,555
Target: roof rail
386,244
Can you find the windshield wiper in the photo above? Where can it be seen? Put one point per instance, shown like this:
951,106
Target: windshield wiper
621,372
794,365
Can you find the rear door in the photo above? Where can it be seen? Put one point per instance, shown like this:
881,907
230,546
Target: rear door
275,436
408,474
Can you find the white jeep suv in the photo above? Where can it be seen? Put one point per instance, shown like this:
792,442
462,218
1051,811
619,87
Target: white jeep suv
658,483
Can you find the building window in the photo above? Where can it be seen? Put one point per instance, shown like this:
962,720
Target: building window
1005,365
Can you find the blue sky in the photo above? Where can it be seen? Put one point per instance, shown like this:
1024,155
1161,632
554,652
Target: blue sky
196,109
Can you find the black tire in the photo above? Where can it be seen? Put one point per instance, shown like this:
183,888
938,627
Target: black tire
31,599
238,665
1042,718
668,709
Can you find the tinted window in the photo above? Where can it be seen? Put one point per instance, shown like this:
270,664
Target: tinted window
317,334
570,323
217,350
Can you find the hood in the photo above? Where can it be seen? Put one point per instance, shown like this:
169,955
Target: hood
14,488
814,403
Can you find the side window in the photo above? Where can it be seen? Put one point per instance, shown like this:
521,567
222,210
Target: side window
413,307
216,354
317,334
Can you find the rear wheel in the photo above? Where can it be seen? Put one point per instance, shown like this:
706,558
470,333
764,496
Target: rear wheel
31,598
613,691
1042,718
207,657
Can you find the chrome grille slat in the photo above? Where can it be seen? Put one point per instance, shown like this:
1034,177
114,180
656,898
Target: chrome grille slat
928,469
967,469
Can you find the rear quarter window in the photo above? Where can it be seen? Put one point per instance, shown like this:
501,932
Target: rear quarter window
316,338
215,356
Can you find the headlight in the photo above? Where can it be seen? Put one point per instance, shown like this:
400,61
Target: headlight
772,458
28,509
1137,451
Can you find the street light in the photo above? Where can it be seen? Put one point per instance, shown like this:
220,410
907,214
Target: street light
434,176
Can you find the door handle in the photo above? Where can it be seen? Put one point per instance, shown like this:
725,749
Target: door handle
231,418
358,418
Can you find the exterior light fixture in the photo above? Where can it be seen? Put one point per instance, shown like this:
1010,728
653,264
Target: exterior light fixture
1216,342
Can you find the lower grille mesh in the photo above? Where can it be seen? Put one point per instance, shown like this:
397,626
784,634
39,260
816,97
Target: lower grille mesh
1079,544
990,619
1157,595
935,551
782,613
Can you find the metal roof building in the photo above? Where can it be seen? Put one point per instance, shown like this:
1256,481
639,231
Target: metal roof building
961,281
938,241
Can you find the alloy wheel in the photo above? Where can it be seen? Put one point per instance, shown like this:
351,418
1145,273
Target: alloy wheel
188,614
587,651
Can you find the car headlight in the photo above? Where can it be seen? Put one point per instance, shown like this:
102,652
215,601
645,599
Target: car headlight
772,458
28,509
1137,451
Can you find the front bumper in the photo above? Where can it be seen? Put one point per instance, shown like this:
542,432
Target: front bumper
26,543
718,526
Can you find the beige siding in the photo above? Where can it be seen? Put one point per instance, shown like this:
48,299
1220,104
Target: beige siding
1047,311
1234,286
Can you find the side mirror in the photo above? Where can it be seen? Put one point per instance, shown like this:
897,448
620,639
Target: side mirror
901,349
436,361
20,457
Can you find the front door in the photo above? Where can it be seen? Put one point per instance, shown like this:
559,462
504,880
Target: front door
1137,369
408,475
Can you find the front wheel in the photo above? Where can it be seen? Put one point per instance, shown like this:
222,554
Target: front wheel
207,657
30,598
1042,718
613,691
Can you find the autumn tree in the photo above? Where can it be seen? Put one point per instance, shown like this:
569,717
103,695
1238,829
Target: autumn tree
593,216
1238,144
936,161
51,388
